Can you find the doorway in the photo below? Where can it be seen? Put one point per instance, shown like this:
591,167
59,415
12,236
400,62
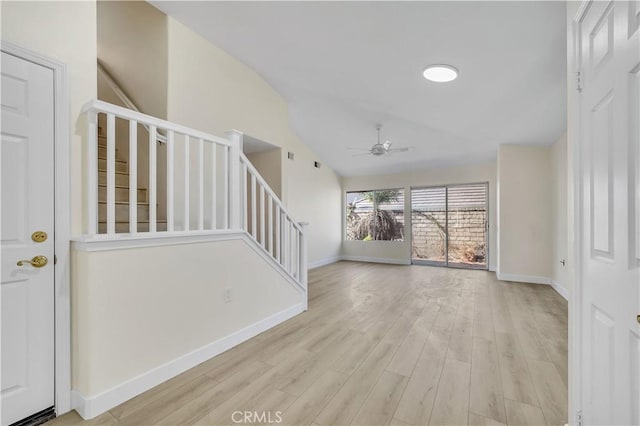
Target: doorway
449,226
28,316
46,144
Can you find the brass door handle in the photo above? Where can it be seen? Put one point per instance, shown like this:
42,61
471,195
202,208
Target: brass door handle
36,262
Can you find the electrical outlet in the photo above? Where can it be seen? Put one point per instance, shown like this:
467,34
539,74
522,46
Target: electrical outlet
227,294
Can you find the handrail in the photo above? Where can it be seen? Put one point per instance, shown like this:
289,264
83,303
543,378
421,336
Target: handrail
126,100
127,114
267,221
260,179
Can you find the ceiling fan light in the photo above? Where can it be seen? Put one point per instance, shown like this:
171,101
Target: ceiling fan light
440,73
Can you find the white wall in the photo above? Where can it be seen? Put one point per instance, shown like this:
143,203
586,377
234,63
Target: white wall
560,273
64,31
211,91
400,252
136,309
525,220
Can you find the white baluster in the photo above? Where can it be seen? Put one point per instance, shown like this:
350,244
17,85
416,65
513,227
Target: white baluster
292,250
235,138
270,221
304,263
278,235
254,224
111,174
245,199
170,171
214,185
133,176
200,184
262,215
287,244
294,255
92,171
153,179
225,188
187,161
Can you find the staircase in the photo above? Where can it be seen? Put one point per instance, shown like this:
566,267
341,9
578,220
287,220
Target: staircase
122,194
212,191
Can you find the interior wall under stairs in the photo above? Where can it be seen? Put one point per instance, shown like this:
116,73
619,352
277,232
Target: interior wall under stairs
145,314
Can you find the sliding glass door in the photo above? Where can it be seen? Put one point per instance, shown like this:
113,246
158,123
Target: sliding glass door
449,225
429,225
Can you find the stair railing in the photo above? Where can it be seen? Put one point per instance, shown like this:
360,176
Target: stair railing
219,203
237,198
265,218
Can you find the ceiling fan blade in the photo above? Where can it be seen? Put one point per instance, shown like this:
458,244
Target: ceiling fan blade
358,149
405,149
364,153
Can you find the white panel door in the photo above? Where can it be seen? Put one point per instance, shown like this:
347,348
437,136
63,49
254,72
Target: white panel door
609,57
27,292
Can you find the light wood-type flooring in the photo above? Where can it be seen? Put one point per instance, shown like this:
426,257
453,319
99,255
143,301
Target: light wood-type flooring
380,345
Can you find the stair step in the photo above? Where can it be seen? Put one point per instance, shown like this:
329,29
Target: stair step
122,194
123,227
121,166
102,152
122,211
122,178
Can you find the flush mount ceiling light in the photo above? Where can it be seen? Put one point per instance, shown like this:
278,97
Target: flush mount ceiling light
440,73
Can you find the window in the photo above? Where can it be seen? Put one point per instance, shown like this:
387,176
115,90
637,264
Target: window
375,215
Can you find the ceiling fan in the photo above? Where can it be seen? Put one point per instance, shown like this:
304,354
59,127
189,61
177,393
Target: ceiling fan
379,148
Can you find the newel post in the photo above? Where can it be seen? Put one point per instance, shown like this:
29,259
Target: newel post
92,171
235,215
304,263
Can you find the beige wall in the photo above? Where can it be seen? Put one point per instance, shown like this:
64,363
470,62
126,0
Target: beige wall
572,139
559,177
132,45
136,309
525,224
401,251
211,91
269,165
66,32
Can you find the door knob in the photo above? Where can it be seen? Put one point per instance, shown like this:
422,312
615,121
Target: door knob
638,318
36,262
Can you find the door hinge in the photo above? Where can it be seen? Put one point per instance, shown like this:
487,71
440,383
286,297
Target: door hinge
579,417
55,259
579,81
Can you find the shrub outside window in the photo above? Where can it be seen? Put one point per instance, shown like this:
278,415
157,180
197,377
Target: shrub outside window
375,215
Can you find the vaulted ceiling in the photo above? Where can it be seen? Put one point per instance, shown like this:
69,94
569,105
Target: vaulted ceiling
345,66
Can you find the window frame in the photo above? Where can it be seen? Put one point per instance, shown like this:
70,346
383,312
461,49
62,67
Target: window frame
400,190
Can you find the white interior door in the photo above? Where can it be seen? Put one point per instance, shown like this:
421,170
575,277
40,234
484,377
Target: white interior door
609,169
27,149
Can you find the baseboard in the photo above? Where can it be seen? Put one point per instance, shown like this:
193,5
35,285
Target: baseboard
323,262
560,290
92,406
532,279
376,260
